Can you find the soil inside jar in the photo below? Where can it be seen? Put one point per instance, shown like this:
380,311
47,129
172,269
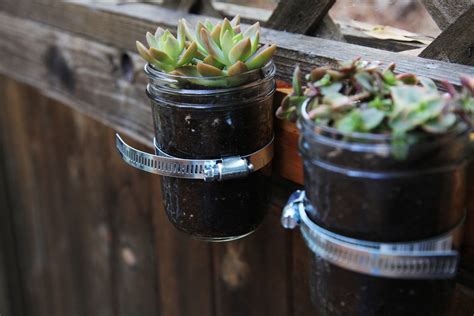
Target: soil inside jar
336,291
378,198
221,210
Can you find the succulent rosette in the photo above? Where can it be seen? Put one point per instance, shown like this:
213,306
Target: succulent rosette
362,97
207,50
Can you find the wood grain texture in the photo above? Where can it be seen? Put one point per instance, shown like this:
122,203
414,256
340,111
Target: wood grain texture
456,43
71,222
120,26
251,275
92,77
93,238
299,16
444,13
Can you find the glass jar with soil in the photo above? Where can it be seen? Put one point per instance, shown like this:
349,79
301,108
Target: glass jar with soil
209,118
357,189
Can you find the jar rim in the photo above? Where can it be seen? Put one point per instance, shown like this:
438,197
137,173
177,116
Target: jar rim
331,132
261,74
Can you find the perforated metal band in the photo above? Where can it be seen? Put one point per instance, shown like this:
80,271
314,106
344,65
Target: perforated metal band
426,259
205,169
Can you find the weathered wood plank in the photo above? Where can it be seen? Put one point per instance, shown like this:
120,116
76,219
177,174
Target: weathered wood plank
69,217
456,43
444,13
185,266
121,25
251,275
301,16
94,79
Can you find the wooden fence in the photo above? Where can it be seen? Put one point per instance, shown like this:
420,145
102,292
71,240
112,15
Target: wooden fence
84,234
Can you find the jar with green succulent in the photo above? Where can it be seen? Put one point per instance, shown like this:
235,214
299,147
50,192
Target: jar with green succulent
211,88
385,158
207,50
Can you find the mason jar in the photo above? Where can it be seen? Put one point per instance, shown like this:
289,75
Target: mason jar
356,188
211,118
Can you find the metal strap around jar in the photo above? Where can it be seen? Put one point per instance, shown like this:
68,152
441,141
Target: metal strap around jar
205,169
425,259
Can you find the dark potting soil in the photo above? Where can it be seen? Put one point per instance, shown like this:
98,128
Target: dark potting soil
370,197
220,209
376,198
336,291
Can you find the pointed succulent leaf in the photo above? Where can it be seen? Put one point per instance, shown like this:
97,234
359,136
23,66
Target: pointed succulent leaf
161,56
216,32
209,25
143,51
187,55
255,41
226,42
236,29
226,27
235,21
261,57
213,62
212,47
188,30
239,51
296,81
171,46
159,32
200,43
468,83
317,73
181,35
208,71
252,30
151,40
237,37
237,68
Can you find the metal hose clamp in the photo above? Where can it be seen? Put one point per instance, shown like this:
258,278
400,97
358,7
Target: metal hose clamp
432,258
206,169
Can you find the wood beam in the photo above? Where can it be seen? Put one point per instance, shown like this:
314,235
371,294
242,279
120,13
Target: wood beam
120,26
304,17
445,13
456,43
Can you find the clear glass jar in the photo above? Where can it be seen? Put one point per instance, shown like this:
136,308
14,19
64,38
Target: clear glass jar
356,188
193,121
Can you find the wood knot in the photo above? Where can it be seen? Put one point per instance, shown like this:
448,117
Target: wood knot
58,68
235,271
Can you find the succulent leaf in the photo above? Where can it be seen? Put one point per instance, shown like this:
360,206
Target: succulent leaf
235,21
359,96
212,47
239,51
208,70
161,56
187,55
237,68
296,81
151,40
261,57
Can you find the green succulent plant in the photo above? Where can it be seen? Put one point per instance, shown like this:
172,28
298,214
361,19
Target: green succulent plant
360,96
207,49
